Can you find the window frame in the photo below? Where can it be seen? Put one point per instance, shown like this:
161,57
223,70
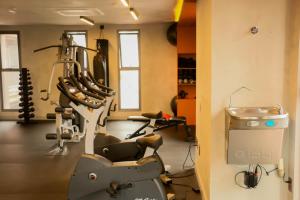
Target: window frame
121,68
9,69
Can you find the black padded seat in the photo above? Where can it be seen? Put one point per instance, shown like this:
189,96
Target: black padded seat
153,115
103,140
138,118
152,140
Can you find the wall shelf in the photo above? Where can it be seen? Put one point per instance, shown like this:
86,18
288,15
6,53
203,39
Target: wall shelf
180,68
187,84
186,69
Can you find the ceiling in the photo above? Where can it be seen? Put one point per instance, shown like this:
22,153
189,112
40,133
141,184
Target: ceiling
101,11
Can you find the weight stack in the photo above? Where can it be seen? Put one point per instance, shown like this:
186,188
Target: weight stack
26,105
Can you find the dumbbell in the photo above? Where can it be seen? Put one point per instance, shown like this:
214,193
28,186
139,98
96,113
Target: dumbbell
22,99
23,115
28,93
29,104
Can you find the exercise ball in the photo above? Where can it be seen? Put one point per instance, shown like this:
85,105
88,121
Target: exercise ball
172,34
173,105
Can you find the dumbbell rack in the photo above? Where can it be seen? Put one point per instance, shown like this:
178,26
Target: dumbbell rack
26,105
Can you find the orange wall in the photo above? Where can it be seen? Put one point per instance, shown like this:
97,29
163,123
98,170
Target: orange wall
187,107
186,39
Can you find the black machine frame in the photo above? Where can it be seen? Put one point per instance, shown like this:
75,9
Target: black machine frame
161,124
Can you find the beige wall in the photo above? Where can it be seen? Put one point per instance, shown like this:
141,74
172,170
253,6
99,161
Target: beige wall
203,101
158,62
243,59
238,58
292,95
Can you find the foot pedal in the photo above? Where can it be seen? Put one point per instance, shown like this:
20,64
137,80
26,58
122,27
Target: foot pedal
66,136
58,151
51,136
114,188
171,196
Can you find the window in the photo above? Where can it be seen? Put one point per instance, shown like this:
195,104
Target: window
80,38
10,69
129,60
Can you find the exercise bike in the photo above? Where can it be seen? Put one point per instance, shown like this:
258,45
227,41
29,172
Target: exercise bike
96,177
106,145
109,146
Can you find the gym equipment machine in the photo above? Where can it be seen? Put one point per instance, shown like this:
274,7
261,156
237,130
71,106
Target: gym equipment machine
106,145
88,81
69,126
96,177
27,110
109,146
157,121
85,86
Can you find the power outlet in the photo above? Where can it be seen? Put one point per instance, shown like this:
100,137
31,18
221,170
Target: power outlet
290,184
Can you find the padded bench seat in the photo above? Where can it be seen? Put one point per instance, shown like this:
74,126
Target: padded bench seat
138,118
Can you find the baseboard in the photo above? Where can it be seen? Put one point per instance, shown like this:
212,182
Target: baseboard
200,182
33,120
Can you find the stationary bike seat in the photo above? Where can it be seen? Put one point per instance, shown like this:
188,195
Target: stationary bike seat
153,115
151,140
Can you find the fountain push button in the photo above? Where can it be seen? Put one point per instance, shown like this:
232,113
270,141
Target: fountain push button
270,123
252,123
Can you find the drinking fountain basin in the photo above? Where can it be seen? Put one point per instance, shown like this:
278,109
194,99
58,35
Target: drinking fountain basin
254,135
256,117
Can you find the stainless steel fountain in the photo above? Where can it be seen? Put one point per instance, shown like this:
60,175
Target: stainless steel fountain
254,135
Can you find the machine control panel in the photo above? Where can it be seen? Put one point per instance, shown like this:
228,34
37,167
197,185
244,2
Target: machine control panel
257,124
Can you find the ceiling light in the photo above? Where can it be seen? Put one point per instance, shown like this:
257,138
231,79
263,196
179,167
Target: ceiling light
71,12
134,14
87,20
12,10
125,3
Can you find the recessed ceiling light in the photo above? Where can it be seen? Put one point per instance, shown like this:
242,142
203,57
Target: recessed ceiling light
134,14
99,11
12,10
76,12
125,3
87,20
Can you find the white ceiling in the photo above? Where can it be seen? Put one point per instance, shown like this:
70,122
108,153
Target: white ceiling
113,12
